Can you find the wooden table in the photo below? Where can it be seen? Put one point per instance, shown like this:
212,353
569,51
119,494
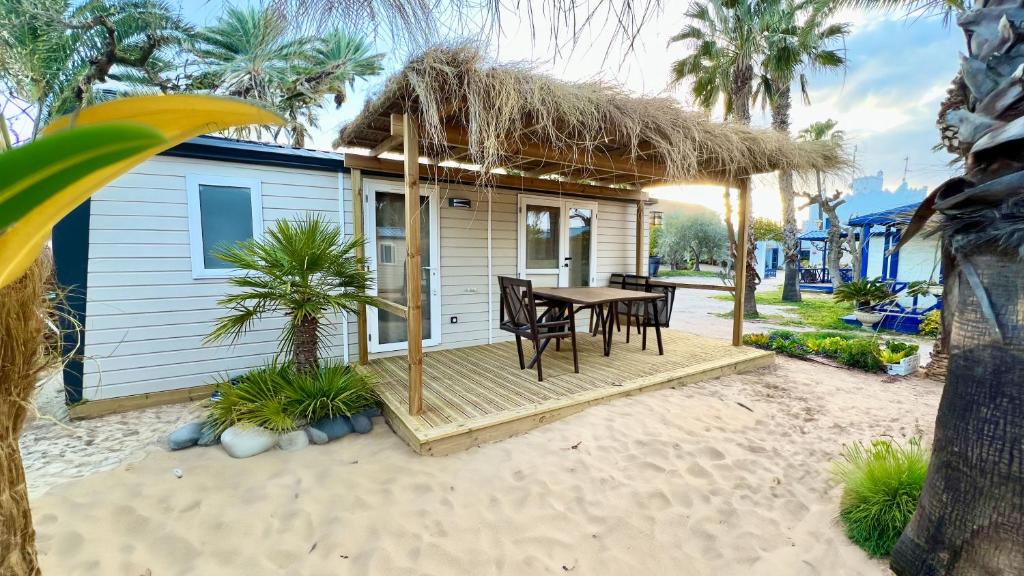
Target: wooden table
597,299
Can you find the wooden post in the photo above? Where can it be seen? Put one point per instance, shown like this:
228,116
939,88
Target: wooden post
413,272
640,238
357,221
741,262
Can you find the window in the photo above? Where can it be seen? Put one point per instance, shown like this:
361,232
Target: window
541,237
221,211
387,253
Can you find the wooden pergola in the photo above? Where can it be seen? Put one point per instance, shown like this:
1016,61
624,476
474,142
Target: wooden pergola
612,164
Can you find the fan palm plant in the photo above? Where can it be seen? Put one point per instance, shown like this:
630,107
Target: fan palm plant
799,38
304,270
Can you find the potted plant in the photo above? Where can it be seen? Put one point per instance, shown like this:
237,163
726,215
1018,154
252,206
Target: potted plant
654,260
924,288
865,295
900,359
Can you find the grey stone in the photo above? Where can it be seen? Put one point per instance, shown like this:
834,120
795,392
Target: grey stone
186,436
371,412
245,441
209,437
296,440
361,424
334,428
316,436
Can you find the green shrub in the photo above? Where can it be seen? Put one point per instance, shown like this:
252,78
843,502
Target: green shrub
280,398
863,354
833,347
890,357
881,486
931,324
788,343
863,293
758,340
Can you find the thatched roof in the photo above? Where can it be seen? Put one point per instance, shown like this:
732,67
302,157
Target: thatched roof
510,116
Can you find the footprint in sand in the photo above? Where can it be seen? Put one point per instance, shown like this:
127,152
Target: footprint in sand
698,471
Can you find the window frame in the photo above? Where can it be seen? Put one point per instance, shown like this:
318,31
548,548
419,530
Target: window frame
197,251
391,248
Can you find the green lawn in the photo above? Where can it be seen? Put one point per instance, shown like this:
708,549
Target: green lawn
685,273
814,311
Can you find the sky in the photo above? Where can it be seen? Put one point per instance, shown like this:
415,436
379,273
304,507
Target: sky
886,100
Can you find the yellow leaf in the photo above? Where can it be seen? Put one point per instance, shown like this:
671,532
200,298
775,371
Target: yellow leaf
177,118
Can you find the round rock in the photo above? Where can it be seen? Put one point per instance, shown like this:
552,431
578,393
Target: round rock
246,441
295,440
361,424
186,436
334,428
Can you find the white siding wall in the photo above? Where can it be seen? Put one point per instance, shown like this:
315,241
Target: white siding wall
919,260
464,279
146,316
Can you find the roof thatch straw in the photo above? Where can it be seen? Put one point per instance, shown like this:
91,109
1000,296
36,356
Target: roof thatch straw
504,108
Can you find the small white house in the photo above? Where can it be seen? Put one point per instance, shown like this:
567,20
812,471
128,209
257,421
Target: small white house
145,287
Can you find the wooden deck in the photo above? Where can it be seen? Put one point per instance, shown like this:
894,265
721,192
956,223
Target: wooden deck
478,394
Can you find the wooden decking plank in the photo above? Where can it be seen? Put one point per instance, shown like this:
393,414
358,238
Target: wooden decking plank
468,390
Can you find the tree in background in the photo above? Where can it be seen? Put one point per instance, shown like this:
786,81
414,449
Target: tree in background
799,37
767,230
251,53
53,52
820,132
727,39
695,238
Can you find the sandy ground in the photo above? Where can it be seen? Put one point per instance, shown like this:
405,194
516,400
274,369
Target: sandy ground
724,477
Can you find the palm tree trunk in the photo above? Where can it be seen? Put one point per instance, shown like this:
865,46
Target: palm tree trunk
742,88
790,242
306,343
970,518
22,309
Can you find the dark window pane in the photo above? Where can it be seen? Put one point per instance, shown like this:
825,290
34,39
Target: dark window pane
541,237
226,217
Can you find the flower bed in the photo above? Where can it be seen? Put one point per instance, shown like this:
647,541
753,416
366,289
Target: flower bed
863,353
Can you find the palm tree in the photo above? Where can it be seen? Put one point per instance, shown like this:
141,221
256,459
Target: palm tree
820,132
727,42
337,60
303,270
798,39
970,517
52,52
251,53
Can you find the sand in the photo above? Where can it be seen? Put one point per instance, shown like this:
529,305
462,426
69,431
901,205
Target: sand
728,476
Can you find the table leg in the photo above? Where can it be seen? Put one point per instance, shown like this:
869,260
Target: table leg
608,332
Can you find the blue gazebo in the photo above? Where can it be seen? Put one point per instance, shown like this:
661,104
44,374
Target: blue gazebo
817,278
891,221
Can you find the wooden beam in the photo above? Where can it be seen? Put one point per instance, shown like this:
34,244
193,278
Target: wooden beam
357,225
394,308
456,136
741,262
360,161
387,145
544,170
640,238
414,319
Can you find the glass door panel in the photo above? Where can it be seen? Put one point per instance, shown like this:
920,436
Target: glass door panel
386,214
542,245
581,240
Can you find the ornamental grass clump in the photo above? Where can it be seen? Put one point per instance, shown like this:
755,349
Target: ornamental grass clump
881,486
280,398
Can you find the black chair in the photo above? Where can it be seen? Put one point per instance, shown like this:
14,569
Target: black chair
632,310
658,313
519,316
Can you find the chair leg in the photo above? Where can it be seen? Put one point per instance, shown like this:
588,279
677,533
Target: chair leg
540,369
575,354
519,348
629,324
558,344
657,330
644,346
618,326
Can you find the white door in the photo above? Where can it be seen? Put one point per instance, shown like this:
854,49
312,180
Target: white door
384,217
557,241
